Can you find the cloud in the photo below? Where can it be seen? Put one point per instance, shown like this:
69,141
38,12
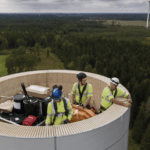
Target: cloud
73,6
21,1
109,0
133,4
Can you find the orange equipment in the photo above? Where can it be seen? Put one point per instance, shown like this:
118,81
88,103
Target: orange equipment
81,114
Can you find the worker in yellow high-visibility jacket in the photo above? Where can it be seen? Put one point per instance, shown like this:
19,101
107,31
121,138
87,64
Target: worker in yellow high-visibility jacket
111,92
56,110
82,91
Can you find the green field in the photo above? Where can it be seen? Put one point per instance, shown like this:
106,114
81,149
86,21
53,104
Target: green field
122,22
51,62
3,70
126,23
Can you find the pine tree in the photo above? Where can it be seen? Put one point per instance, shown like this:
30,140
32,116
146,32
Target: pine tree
135,104
145,142
139,124
147,110
128,86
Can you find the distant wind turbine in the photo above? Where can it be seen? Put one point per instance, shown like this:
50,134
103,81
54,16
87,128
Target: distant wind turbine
148,13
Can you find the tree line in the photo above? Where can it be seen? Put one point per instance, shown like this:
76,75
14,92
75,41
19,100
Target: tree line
23,59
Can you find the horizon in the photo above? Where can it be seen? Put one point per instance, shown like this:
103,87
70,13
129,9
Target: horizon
74,13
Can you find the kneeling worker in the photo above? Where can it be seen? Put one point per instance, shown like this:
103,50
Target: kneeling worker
59,110
111,92
82,91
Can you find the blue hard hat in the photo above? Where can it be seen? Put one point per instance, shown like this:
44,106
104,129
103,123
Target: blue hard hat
56,93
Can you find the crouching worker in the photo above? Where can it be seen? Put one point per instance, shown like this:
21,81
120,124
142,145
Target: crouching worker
59,110
82,91
111,92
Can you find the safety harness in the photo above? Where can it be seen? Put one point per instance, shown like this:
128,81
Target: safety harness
116,91
56,112
81,94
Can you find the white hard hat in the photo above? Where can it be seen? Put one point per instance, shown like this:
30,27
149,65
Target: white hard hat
114,80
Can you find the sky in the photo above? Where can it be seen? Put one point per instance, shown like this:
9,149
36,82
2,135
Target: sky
73,6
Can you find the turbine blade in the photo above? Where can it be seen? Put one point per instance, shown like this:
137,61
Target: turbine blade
145,1
148,15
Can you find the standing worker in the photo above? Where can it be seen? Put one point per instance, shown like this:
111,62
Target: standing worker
82,91
111,92
59,110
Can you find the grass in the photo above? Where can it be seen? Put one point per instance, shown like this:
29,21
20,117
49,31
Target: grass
126,23
3,70
123,22
51,62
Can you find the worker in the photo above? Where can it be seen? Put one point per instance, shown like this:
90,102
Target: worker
111,92
82,92
59,110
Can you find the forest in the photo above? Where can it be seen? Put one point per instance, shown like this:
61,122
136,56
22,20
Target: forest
112,51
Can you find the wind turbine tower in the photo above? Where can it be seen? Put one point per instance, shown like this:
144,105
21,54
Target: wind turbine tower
148,13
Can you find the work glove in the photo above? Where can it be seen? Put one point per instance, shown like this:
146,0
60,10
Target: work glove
66,121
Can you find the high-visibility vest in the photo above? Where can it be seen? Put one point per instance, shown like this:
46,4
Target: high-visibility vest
108,94
61,112
87,93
